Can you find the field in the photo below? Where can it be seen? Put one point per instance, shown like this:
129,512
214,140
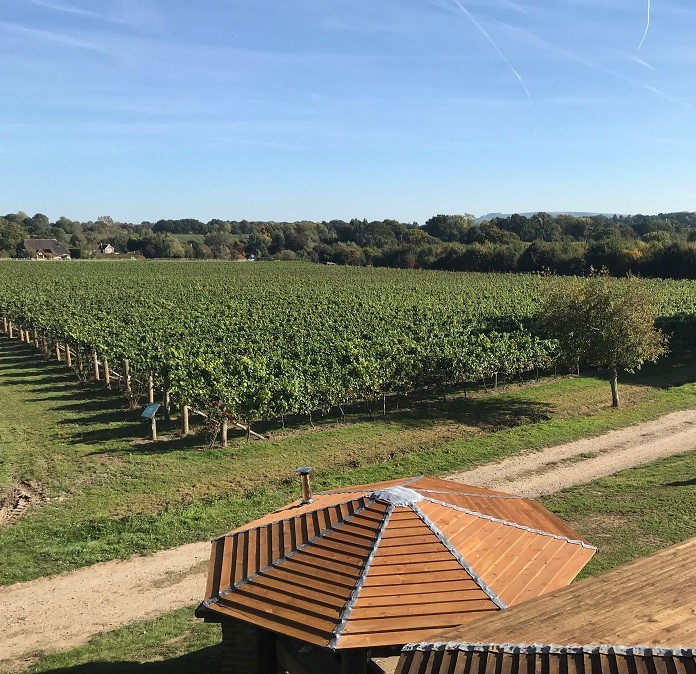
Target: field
103,492
258,342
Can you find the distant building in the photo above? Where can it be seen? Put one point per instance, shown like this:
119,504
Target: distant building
106,249
46,249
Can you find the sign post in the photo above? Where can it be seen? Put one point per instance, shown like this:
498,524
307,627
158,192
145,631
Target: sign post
149,414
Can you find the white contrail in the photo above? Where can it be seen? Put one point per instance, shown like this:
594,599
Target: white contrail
485,34
532,38
647,28
483,31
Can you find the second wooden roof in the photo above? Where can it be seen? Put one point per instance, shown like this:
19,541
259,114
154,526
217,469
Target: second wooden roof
641,616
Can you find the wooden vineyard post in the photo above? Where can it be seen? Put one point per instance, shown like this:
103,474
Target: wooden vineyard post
9,330
150,389
58,351
95,365
223,433
44,345
36,338
107,374
184,419
126,375
4,324
78,360
166,400
21,333
68,355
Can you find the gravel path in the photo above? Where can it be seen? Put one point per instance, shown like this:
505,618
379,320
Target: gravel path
61,612
582,461
58,613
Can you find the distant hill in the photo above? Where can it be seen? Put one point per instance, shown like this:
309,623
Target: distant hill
577,214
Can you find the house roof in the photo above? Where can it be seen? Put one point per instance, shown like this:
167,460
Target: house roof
54,246
383,564
649,603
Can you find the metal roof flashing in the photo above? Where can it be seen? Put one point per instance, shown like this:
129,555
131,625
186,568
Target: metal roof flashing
396,496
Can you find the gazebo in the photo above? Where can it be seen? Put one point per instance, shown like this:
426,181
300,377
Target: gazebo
362,571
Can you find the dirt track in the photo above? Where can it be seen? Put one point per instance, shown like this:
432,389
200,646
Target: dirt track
61,612
556,468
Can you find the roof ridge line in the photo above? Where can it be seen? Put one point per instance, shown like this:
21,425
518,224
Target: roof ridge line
355,592
353,490
459,557
498,520
291,553
556,649
234,532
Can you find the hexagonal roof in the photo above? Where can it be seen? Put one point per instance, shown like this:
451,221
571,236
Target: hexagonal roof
384,564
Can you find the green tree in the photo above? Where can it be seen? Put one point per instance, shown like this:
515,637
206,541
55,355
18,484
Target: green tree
606,322
11,236
449,227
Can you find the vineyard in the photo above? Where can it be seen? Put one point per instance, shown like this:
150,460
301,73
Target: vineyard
247,342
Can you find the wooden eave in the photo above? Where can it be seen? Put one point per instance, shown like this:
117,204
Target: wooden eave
551,659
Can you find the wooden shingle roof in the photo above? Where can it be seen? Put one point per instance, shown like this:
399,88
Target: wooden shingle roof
646,610
384,564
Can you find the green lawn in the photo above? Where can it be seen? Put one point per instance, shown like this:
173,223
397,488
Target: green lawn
628,515
109,494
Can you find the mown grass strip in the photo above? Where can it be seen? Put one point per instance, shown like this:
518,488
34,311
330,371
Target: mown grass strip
113,497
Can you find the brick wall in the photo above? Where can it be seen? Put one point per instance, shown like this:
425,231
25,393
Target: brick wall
247,649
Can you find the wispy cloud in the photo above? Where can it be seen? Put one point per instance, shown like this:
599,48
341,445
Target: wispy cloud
531,38
77,11
636,59
50,36
516,7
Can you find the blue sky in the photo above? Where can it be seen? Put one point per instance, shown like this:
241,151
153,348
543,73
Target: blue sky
320,109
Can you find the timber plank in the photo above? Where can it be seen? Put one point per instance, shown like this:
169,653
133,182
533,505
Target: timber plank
374,589
271,610
360,612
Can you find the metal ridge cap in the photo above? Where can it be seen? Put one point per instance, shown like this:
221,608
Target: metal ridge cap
355,592
555,649
459,557
499,520
241,530
277,562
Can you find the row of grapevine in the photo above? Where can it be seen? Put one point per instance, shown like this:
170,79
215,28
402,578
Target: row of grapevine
273,339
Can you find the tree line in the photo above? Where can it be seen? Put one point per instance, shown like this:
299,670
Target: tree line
662,245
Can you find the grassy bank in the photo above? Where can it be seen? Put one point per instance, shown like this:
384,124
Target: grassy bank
628,515
109,494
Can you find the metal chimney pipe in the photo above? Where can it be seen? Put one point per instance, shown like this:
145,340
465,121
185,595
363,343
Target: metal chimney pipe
304,472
